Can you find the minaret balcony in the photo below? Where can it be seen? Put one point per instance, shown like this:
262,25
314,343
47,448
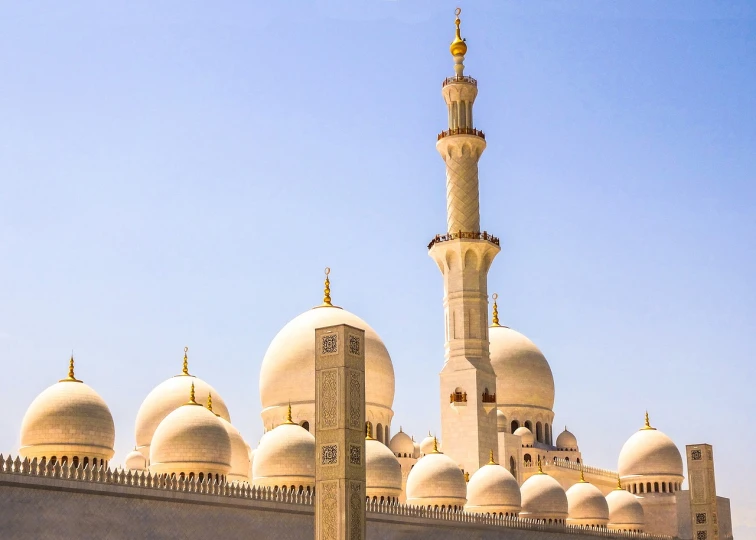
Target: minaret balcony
458,399
465,235
461,131
460,79
489,401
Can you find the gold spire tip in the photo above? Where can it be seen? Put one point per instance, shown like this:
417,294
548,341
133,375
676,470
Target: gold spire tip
495,321
192,401
210,401
458,47
288,415
490,458
71,377
435,446
619,482
369,435
540,466
185,369
647,423
582,476
327,289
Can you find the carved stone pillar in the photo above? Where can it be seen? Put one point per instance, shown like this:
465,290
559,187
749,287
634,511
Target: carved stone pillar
340,433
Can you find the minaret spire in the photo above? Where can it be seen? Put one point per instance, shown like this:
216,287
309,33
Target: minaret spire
464,254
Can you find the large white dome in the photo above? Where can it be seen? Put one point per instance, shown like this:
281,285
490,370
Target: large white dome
493,490
288,369
383,474
191,439
436,480
402,445
649,452
543,498
625,511
523,376
167,397
285,458
68,419
586,506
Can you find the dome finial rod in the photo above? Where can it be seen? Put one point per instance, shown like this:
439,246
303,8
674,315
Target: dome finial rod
540,466
288,415
582,476
647,423
71,377
369,435
495,321
435,446
458,47
327,289
619,482
191,396
210,401
185,369
490,458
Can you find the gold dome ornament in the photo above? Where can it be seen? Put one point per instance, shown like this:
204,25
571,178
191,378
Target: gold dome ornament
185,369
458,47
70,377
495,321
647,425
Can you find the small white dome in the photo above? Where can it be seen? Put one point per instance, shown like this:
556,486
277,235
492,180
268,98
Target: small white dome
543,498
649,452
501,422
417,453
526,435
166,398
625,511
135,461
586,506
426,445
383,474
191,439
402,445
566,441
68,419
493,489
288,368
285,458
523,376
239,454
436,480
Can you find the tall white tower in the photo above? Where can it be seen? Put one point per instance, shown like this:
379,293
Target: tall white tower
464,255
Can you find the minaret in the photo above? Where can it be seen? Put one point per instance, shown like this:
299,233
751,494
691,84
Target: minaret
464,255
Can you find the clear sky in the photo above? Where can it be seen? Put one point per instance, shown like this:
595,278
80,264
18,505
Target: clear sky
179,173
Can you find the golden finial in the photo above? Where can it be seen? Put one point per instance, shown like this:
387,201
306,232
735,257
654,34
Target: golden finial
490,458
191,396
582,476
619,482
458,47
327,289
210,401
435,446
369,435
495,311
540,466
648,424
467,476
71,377
288,415
185,370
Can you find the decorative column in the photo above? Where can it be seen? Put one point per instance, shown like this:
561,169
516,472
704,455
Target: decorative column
703,492
340,433
464,255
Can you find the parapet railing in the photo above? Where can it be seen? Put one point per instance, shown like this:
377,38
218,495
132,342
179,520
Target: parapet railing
461,234
460,79
573,465
461,131
243,490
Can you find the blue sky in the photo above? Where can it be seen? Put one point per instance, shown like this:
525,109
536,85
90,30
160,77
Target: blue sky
177,173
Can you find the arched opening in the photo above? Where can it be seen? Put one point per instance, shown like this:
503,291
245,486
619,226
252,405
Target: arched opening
305,424
566,458
527,459
86,462
53,460
191,476
539,432
386,437
201,476
547,433
512,466
578,460
379,432
656,487
75,462
648,487
529,425
515,425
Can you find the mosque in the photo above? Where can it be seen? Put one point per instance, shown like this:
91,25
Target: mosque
498,456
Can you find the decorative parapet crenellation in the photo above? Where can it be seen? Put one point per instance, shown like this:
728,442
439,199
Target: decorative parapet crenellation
460,79
464,235
566,464
121,478
461,131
